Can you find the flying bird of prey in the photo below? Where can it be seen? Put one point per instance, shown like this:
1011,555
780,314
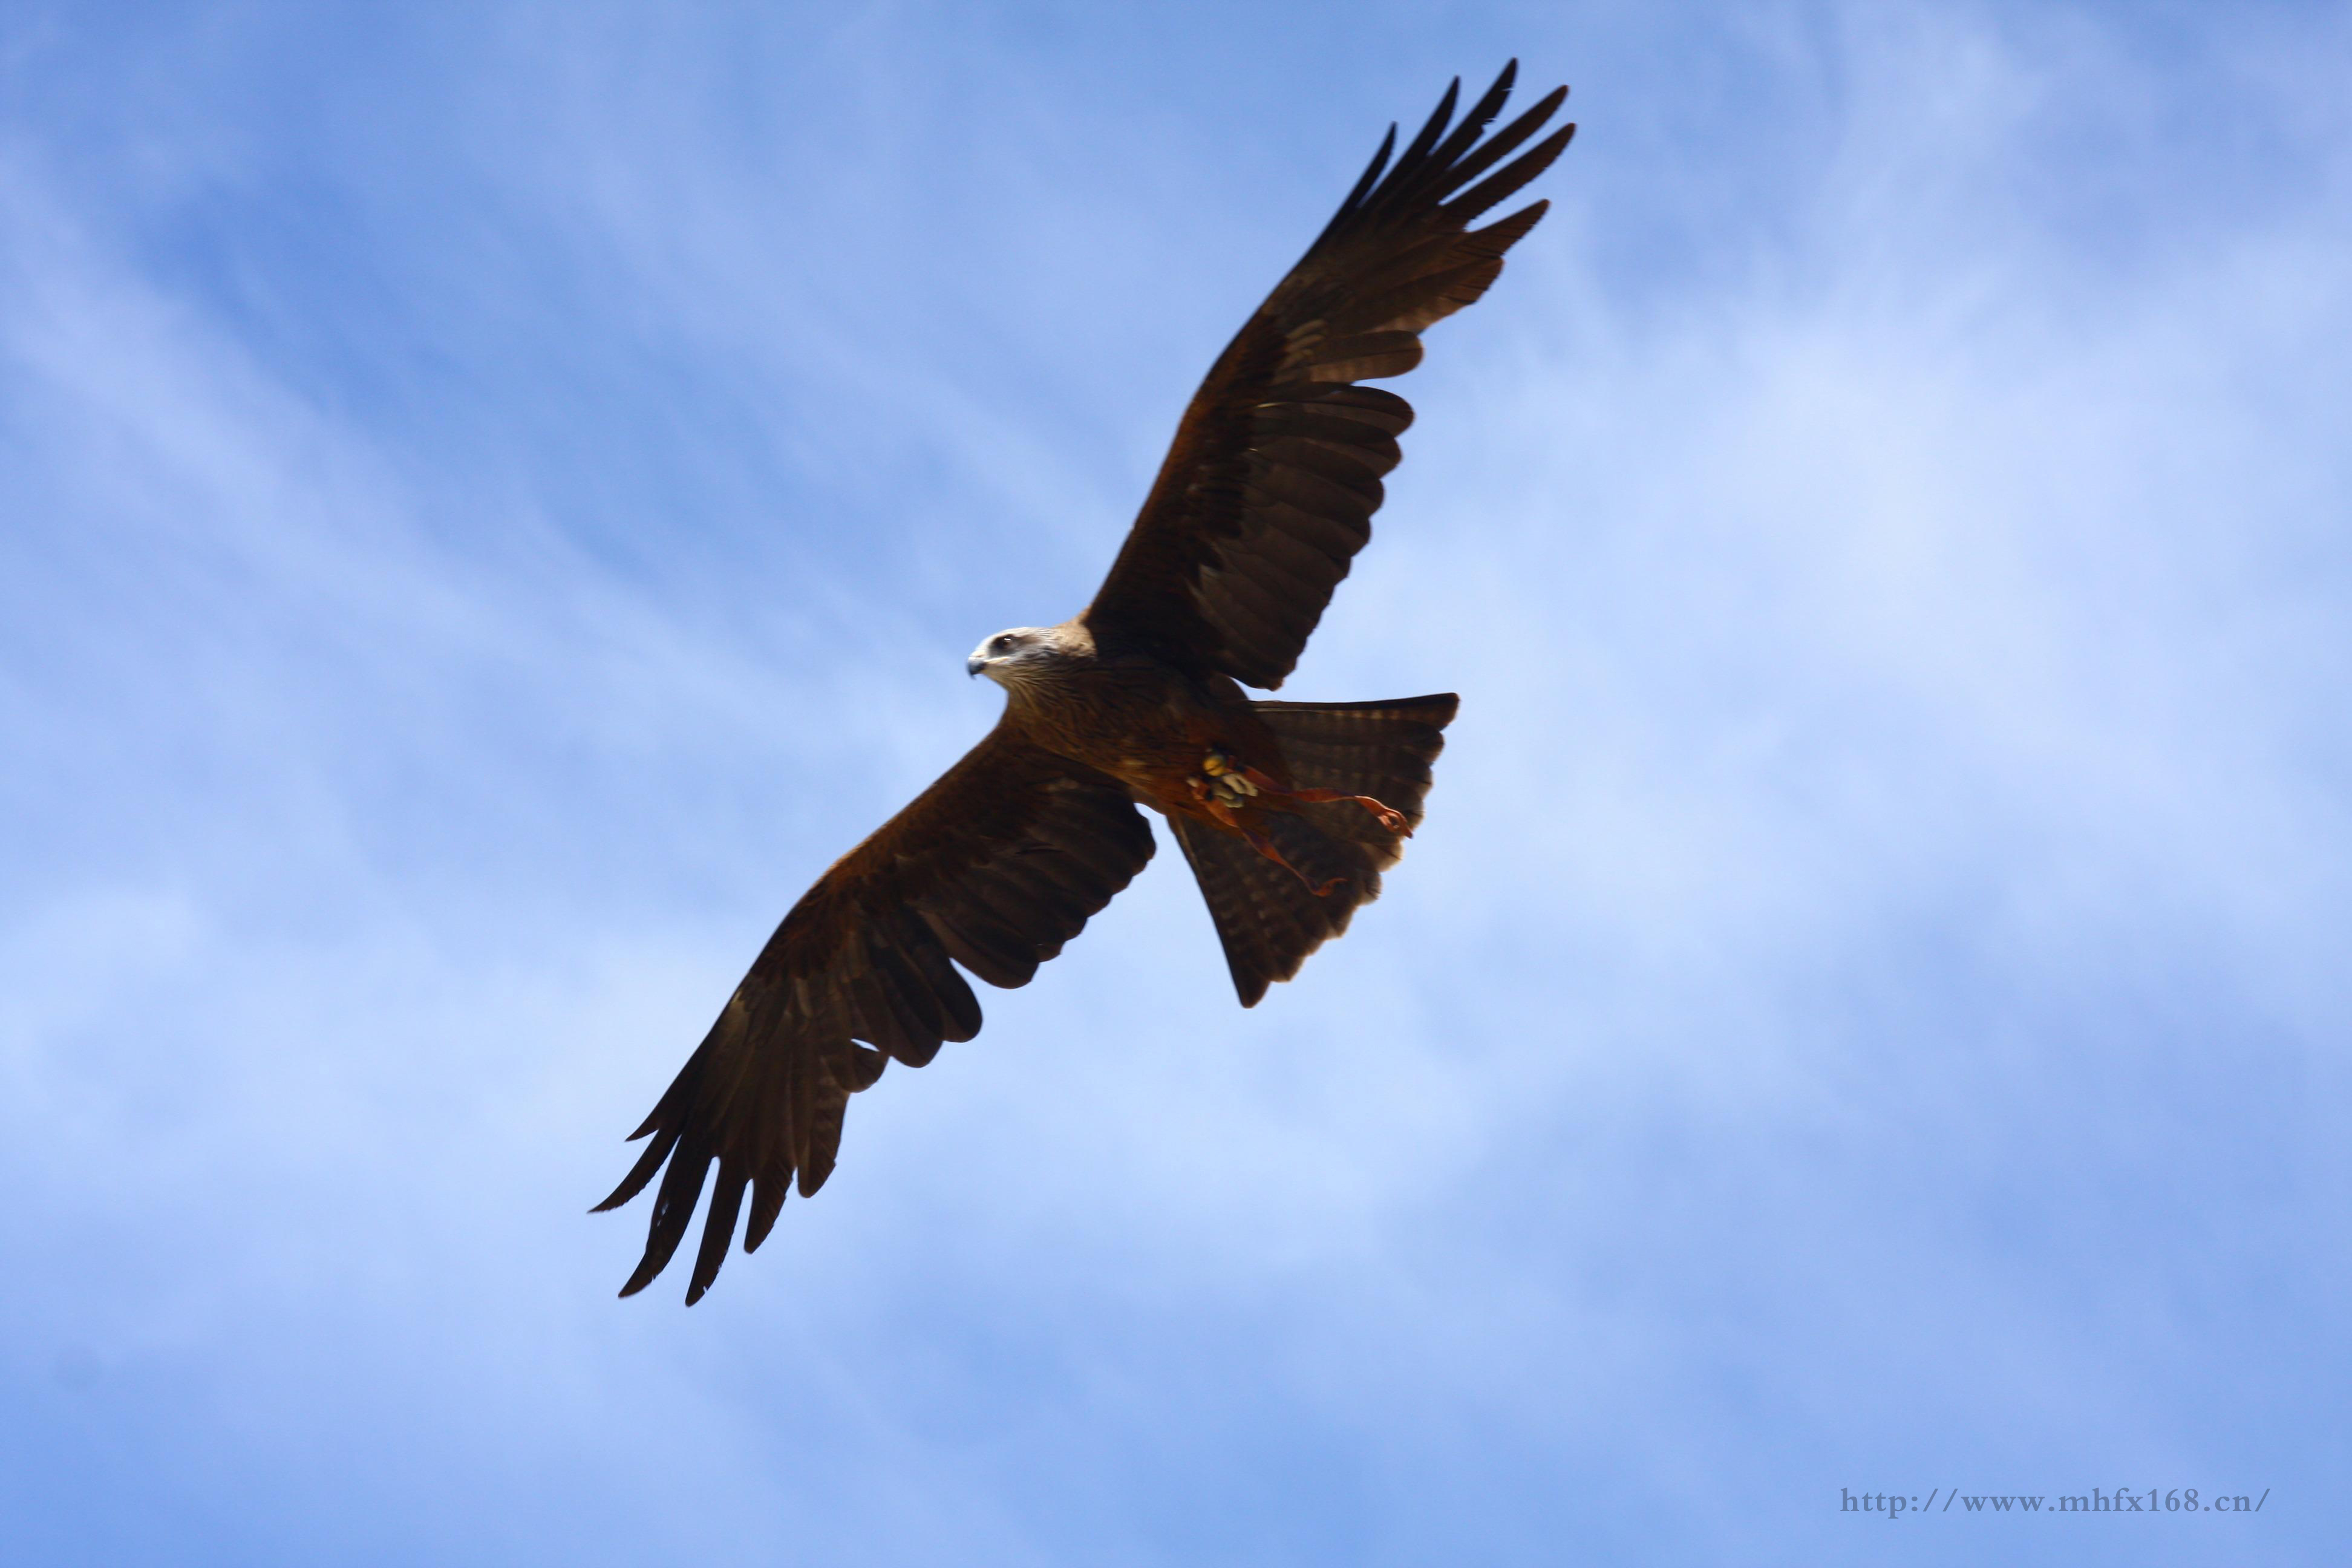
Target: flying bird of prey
1288,812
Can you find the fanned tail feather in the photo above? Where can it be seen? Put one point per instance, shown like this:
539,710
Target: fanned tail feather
1267,919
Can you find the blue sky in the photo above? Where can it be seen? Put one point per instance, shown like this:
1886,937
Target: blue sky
493,499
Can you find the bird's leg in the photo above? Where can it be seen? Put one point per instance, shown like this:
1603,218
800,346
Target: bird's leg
1224,783
1387,815
1222,787
1230,774
1219,806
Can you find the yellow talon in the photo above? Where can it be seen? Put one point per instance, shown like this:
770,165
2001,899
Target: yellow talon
1213,764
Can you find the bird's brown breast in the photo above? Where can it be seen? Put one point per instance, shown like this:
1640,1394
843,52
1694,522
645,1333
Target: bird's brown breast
1148,726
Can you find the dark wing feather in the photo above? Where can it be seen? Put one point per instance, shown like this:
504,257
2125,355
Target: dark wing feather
995,866
1269,490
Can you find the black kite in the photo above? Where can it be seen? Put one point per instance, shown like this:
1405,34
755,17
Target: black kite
1288,812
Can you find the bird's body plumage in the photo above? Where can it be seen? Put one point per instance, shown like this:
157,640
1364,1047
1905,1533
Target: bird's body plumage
1287,812
1144,722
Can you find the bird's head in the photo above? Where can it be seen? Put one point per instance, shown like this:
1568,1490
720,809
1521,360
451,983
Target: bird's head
1027,656
1008,657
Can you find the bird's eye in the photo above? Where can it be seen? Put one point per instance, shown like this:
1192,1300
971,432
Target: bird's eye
1002,644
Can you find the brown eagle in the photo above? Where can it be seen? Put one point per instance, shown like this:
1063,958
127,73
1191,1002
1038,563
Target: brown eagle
1288,812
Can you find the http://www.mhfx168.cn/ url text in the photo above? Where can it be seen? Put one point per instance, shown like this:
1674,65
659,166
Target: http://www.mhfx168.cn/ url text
2178,1501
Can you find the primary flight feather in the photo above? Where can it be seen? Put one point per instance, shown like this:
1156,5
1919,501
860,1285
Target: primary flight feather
1288,812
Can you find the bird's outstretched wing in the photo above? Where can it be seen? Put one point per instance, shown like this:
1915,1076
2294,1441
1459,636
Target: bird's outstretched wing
995,866
1269,489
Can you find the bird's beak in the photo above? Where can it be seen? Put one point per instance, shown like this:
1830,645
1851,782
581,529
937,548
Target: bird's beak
974,665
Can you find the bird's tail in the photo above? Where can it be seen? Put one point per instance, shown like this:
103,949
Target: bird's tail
1267,917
